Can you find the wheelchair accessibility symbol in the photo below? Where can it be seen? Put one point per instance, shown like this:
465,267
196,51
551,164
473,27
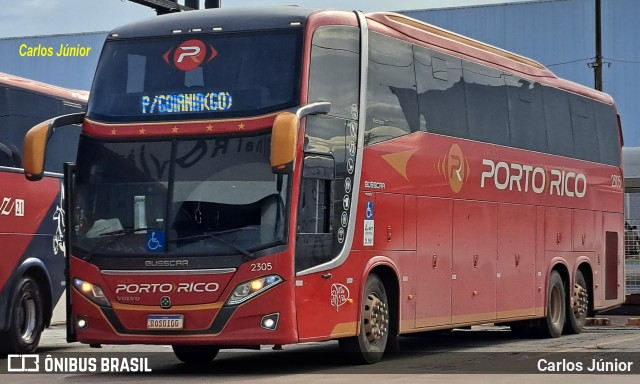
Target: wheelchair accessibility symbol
369,211
155,241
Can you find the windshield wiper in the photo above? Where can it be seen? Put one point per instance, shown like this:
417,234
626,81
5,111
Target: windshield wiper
124,231
215,236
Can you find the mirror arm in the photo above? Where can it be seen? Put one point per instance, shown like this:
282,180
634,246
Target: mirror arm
70,119
318,108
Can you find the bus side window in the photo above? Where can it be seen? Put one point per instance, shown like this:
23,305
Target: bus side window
314,243
335,69
314,212
527,125
583,123
486,97
441,100
392,99
558,119
10,156
607,126
314,205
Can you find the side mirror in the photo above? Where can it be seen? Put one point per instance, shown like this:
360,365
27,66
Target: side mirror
35,143
284,139
284,136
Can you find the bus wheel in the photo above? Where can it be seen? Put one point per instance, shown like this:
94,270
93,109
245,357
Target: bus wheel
26,322
577,306
195,354
369,345
552,324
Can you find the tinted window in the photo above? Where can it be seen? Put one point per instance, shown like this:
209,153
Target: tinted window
335,69
440,93
608,139
326,135
486,104
558,118
392,106
585,136
215,75
335,77
24,109
314,229
527,127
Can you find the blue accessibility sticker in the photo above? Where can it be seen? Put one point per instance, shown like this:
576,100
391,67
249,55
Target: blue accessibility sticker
369,211
155,241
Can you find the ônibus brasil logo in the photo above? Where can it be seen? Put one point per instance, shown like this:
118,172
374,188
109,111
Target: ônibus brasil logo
190,54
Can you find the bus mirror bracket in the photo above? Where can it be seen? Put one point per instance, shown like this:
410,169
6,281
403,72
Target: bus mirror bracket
35,143
284,137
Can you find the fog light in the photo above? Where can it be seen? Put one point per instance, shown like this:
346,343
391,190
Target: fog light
82,323
270,322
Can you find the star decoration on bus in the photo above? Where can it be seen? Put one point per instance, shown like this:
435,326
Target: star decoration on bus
241,126
174,129
210,128
142,131
114,131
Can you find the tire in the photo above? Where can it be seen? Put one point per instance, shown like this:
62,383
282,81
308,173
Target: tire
370,343
195,354
577,313
553,323
27,319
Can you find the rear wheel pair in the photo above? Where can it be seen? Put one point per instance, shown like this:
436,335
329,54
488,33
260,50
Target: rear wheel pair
563,314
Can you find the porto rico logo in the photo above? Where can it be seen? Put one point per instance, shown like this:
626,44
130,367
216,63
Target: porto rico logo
189,55
454,167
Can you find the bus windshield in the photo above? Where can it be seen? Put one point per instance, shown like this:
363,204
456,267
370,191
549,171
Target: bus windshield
201,76
199,196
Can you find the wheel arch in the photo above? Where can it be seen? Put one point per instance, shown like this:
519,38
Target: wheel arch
34,268
391,284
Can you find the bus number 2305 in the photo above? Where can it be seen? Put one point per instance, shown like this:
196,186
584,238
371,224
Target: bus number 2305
258,267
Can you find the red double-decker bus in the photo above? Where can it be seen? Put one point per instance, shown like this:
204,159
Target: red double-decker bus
270,176
31,215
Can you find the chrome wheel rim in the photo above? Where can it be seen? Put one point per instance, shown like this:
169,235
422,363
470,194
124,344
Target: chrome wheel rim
375,318
581,300
27,319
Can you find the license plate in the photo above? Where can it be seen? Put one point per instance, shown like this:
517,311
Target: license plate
165,321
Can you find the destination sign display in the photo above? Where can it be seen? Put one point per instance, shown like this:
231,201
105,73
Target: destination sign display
186,102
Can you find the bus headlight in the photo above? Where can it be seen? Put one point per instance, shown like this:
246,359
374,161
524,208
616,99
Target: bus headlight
91,292
249,289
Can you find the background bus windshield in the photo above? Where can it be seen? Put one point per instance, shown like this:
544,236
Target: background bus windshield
196,77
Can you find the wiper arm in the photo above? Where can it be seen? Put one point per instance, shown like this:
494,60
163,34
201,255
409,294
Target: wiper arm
214,235
124,231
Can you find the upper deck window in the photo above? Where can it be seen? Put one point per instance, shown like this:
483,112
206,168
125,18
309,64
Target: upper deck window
197,77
